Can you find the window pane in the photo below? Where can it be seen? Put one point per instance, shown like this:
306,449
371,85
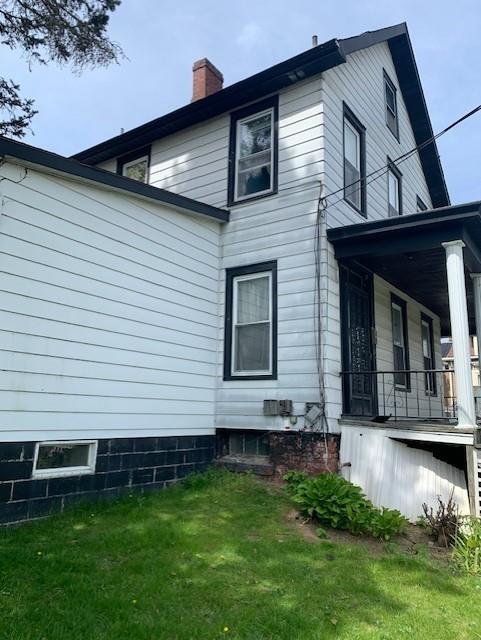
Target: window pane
393,190
353,187
390,98
254,181
253,300
63,455
397,327
255,135
136,171
252,347
426,340
351,145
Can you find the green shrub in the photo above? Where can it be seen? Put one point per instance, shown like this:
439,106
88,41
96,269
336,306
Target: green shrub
467,546
335,502
293,479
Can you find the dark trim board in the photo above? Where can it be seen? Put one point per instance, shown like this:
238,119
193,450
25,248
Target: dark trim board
70,167
269,103
230,275
307,64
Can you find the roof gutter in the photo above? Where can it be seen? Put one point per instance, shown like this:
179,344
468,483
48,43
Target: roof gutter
56,163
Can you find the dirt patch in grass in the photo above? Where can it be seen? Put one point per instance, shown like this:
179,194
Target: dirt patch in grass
413,542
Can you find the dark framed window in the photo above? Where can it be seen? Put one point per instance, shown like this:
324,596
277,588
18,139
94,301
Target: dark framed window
253,151
354,152
135,165
390,105
429,360
420,204
400,343
250,345
394,190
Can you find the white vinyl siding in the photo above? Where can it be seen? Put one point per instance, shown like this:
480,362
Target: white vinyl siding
108,313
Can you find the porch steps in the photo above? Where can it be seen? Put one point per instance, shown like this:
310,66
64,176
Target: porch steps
259,465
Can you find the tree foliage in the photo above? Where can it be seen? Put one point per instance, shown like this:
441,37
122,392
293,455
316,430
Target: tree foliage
67,32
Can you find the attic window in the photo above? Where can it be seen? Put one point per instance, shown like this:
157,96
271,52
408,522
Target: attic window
390,98
135,165
253,152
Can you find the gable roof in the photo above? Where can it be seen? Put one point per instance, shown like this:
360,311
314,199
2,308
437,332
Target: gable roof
55,163
304,65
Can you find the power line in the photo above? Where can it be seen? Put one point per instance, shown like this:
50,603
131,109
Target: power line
402,158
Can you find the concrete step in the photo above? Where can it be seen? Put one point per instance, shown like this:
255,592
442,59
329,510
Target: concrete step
260,465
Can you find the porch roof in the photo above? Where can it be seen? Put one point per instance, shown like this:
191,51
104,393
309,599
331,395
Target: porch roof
407,251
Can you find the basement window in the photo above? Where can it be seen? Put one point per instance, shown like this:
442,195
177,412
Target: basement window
248,444
64,458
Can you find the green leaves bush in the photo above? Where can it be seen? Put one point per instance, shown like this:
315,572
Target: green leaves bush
337,503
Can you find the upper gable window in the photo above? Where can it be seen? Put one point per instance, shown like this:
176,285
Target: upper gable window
394,190
354,161
253,152
135,165
390,99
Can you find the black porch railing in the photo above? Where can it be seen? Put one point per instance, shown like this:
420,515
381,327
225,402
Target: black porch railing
406,394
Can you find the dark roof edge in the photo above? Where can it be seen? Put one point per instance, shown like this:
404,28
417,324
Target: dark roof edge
314,60
448,213
401,49
53,161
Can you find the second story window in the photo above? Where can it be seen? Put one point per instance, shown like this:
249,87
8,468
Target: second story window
354,161
390,100
394,190
253,152
135,165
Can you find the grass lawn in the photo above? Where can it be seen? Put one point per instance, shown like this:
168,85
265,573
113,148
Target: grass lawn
217,559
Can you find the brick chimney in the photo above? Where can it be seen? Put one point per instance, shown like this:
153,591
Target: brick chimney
207,79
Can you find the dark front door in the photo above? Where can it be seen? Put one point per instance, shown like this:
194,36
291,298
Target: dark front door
357,330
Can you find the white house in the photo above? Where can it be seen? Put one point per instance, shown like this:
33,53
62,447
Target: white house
269,269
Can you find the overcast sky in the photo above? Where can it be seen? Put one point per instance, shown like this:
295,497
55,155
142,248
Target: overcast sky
162,38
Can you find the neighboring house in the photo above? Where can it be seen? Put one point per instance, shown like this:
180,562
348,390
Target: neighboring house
235,272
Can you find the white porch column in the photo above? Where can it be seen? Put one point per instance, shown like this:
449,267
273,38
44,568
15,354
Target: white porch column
458,313
476,278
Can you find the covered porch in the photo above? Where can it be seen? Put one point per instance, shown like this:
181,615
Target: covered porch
416,274
434,257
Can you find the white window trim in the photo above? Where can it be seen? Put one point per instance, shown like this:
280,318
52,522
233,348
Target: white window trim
240,122
235,281
131,163
65,471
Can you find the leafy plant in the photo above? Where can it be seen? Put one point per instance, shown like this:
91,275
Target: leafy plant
467,546
387,522
335,502
293,479
443,523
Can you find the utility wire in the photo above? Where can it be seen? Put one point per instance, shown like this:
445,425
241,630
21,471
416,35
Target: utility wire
402,158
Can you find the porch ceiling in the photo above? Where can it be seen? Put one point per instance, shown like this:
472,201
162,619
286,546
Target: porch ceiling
407,252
